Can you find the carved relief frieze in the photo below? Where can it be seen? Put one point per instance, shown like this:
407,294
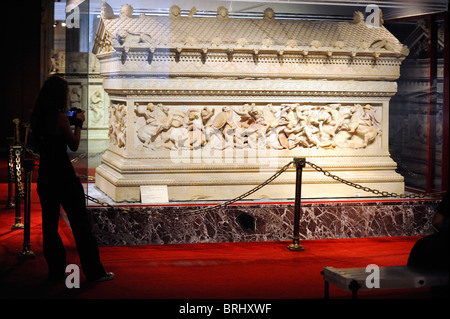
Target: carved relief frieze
284,126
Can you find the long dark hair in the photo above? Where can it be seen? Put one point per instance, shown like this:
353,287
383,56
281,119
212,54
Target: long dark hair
52,99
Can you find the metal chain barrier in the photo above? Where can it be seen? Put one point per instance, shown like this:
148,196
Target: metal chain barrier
76,159
15,175
18,187
269,180
83,155
204,209
18,165
371,190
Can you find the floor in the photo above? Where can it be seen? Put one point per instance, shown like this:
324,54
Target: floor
208,274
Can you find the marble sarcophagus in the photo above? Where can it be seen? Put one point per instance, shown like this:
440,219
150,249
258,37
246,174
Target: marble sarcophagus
213,106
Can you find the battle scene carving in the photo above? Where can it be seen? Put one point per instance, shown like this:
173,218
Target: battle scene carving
285,126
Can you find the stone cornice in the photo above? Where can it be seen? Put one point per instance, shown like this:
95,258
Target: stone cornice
239,65
215,88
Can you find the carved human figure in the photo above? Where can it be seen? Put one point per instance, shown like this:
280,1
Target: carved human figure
273,127
156,133
179,136
117,125
96,106
126,39
75,97
367,129
147,132
245,128
146,111
193,124
222,130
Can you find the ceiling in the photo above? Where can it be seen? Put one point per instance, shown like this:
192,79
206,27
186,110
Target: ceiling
302,9
340,10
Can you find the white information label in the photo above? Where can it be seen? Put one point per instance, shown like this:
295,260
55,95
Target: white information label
154,194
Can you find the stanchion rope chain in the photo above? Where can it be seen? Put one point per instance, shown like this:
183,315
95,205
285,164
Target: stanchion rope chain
203,209
269,180
19,173
371,190
253,190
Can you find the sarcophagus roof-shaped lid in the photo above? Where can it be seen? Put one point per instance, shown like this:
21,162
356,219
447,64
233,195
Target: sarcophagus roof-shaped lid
242,34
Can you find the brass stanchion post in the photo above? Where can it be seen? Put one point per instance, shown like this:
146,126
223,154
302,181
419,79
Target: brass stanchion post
18,186
299,164
28,165
17,152
11,173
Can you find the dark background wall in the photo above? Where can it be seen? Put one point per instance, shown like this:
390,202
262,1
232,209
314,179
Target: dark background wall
22,24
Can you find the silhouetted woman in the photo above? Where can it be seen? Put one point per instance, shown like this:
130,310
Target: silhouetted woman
58,185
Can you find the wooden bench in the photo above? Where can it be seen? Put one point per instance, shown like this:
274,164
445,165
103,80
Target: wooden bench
395,277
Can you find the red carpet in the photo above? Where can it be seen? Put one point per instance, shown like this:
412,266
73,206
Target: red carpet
262,270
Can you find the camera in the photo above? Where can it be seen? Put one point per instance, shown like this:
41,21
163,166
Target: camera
72,115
